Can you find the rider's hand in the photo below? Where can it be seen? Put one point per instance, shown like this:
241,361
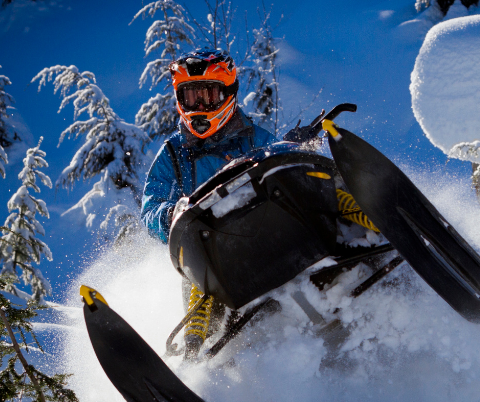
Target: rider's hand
299,134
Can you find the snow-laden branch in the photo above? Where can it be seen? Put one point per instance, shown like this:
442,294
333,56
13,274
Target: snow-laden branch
262,76
157,71
3,159
158,115
6,139
170,31
65,78
167,36
111,145
216,31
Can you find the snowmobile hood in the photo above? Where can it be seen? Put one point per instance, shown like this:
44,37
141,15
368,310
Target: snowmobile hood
257,223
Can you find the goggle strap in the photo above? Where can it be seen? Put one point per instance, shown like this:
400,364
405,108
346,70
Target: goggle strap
231,89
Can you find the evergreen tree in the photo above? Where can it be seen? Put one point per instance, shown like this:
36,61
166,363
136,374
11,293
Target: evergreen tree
263,76
29,383
159,115
3,159
113,149
111,145
216,32
19,245
7,135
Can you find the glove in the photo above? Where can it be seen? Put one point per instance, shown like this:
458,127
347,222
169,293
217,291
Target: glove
306,133
299,134
180,206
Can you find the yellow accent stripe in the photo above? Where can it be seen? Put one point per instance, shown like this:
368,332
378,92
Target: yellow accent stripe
87,294
320,175
351,211
329,127
180,257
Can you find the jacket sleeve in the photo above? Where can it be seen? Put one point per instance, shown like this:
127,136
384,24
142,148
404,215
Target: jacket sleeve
160,195
263,137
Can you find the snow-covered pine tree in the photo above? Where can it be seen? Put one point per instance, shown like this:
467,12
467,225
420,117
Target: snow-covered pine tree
18,379
19,246
159,116
3,159
5,100
113,149
262,76
5,140
111,145
216,32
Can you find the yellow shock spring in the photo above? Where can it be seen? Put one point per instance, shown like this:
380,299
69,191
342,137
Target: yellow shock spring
198,324
351,211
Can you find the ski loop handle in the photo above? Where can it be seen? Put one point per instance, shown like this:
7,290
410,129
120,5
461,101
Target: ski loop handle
332,115
343,107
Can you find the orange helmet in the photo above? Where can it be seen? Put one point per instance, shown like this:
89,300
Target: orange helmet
206,85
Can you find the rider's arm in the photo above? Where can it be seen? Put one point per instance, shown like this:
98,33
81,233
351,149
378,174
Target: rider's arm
160,195
263,137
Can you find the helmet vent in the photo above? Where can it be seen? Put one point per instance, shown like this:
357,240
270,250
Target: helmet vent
198,67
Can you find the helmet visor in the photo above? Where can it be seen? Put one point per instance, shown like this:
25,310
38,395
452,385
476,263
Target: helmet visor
201,96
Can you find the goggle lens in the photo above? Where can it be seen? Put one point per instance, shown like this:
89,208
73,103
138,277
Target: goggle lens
210,95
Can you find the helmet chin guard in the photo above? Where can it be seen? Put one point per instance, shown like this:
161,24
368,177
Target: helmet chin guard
202,124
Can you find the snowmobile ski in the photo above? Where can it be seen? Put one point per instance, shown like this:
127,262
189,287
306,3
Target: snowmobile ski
409,221
132,366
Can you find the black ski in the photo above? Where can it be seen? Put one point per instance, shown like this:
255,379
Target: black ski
409,221
137,372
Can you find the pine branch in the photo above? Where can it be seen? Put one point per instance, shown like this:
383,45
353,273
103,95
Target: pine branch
22,359
302,111
16,234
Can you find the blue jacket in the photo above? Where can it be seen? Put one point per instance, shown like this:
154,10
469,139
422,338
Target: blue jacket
184,162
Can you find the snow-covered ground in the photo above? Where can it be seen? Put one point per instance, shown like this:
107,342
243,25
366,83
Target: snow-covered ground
405,342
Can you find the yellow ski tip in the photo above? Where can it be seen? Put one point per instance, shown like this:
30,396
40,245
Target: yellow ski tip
87,293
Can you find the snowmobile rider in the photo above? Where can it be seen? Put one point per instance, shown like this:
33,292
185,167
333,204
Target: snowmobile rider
212,131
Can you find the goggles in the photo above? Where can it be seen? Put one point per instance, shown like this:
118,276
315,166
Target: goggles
209,94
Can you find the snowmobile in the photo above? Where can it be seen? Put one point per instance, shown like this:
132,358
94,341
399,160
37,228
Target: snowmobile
267,217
